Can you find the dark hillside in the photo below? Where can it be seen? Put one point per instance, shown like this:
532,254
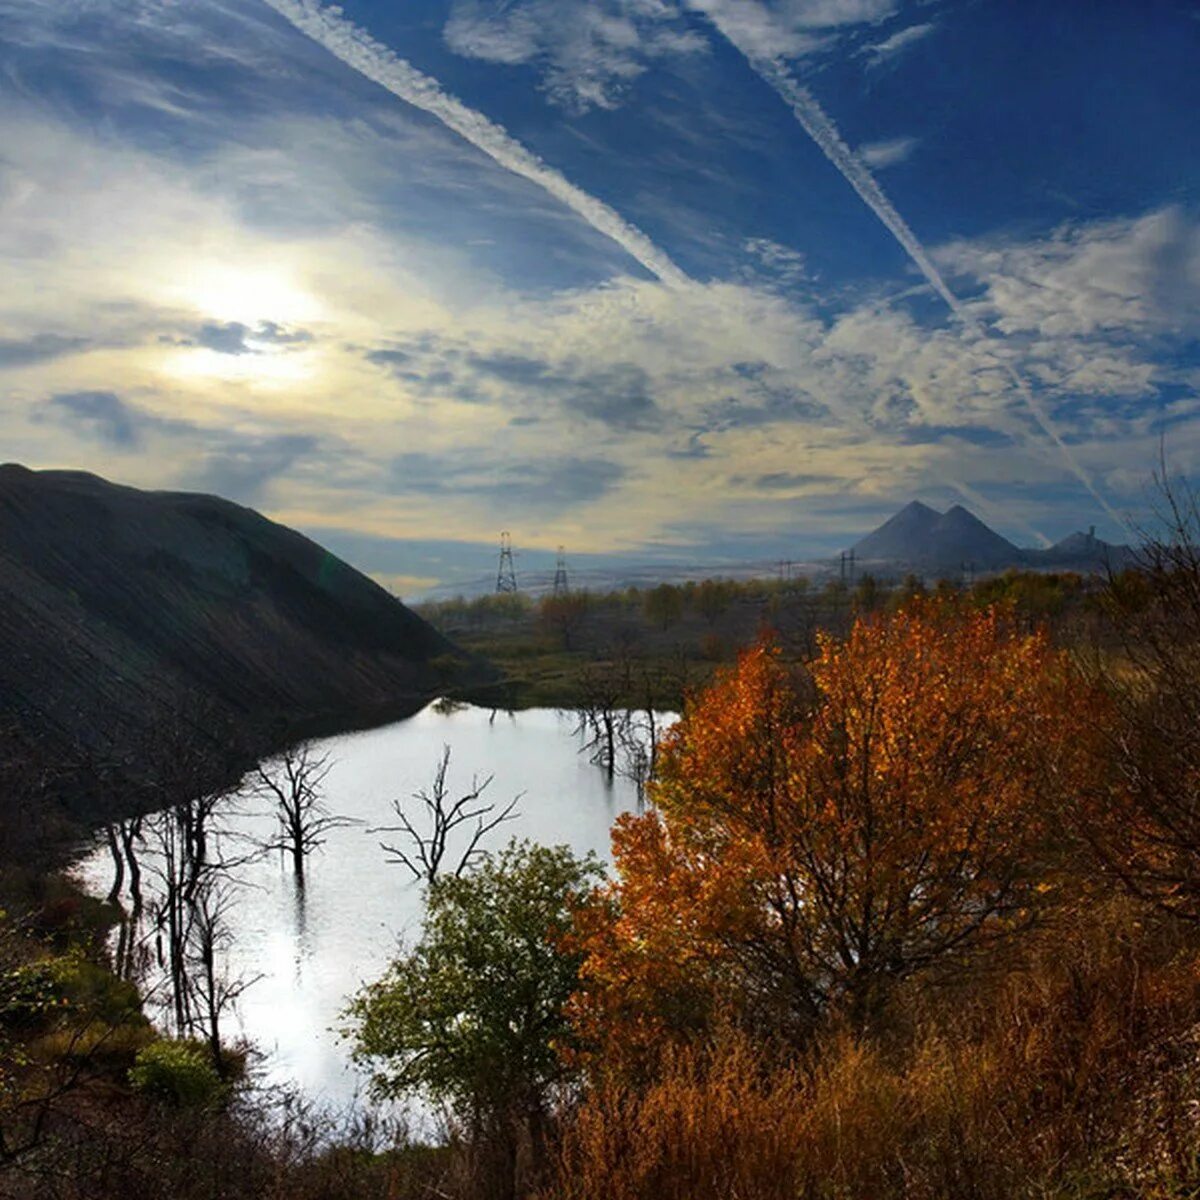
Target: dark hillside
117,606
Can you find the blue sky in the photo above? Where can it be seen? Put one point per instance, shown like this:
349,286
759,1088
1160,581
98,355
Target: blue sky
669,279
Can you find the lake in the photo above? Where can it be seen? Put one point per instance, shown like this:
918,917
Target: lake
314,948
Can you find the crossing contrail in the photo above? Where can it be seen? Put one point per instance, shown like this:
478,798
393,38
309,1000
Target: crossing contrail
981,501
817,124
356,48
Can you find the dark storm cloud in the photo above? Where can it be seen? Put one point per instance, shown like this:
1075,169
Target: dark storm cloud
784,481
617,396
516,369
567,482
392,359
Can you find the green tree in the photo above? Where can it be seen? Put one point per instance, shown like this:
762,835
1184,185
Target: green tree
663,605
473,1016
712,598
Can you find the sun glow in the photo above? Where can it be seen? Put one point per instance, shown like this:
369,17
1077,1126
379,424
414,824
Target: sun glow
274,367
249,294
266,298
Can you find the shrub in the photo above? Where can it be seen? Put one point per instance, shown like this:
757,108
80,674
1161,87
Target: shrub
815,844
1070,1075
178,1073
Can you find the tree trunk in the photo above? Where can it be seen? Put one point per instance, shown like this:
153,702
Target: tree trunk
114,893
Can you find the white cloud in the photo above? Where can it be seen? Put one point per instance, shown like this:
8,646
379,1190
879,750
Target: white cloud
785,265
1134,276
694,395
880,155
588,51
789,28
775,71
834,13
897,43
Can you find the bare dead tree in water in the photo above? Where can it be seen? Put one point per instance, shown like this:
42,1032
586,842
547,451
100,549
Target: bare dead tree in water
640,732
213,992
603,711
292,783
188,780
189,903
429,840
129,832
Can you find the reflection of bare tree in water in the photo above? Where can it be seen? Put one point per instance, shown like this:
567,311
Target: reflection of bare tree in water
125,845
619,717
178,928
181,879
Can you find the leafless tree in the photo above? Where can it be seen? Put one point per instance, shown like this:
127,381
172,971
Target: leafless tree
640,730
129,833
213,992
603,710
118,856
292,783
187,926
1145,828
429,838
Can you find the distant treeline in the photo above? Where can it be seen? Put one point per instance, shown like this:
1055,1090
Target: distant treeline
1036,592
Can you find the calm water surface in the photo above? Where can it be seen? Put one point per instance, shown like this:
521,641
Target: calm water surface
315,948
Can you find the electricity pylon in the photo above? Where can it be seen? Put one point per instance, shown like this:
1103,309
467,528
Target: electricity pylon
561,585
506,574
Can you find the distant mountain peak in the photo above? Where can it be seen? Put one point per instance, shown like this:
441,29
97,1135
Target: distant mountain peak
921,536
959,517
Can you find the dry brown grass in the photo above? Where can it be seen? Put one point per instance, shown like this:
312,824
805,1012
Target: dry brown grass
1073,1074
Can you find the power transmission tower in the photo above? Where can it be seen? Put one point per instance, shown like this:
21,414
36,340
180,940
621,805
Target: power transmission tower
561,585
506,575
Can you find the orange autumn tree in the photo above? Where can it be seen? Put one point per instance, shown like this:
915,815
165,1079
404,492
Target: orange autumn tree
817,839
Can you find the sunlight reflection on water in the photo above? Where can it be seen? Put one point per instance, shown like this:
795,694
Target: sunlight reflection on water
313,949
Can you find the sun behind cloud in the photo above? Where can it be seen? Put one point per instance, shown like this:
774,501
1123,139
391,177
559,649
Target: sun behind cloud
247,293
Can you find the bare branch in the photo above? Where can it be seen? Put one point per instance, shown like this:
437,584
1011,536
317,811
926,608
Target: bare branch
425,855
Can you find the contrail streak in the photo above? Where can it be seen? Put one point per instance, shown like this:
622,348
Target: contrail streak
817,124
981,501
360,51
